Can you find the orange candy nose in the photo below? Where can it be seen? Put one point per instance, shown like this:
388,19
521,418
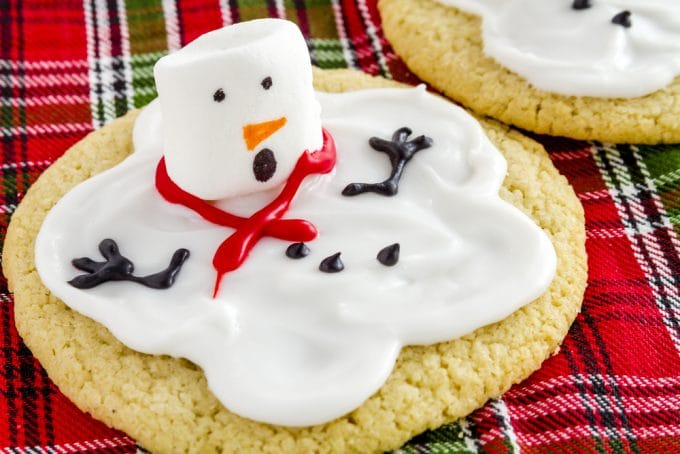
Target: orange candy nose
255,133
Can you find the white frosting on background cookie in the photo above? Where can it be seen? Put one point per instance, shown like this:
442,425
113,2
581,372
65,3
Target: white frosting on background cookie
284,343
581,52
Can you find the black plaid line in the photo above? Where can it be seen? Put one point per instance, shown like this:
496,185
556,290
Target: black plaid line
303,22
581,386
180,22
235,12
8,370
271,8
98,112
119,87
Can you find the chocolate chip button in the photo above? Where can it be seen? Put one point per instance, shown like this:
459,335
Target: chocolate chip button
264,165
389,255
297,251
332,264
623,19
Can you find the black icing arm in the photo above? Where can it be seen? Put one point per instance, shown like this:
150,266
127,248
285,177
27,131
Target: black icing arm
119,268
400,152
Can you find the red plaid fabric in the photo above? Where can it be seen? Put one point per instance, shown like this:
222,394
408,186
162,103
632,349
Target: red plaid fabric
67,68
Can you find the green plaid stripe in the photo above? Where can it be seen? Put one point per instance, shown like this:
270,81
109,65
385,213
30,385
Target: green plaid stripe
146,25
663,165
143,85
450,438
327,53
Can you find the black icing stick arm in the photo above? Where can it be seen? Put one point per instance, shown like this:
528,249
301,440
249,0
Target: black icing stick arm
116,267
400,151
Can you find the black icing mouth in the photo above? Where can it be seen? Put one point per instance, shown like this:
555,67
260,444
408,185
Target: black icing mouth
264,165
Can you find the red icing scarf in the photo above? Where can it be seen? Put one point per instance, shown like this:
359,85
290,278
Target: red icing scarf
266,222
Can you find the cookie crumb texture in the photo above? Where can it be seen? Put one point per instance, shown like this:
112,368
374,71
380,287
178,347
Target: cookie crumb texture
164,402
443,46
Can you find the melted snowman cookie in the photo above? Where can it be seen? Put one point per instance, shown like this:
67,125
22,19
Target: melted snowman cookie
321,343
164,402
294,343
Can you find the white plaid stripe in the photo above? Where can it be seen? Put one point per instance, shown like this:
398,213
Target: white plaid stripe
605,233
45,128
594,195
569,155
225,10
280,9
172,25
625,381
43,65
342,35
570,433
570,401
39,101
502,415
44,80
471,443
373,39
79,446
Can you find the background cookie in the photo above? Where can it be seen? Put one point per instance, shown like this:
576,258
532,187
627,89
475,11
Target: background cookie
443,46
164,402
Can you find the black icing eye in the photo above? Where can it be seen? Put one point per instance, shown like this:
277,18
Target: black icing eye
219,95
266,83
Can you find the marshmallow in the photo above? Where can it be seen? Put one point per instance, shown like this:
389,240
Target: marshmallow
238,109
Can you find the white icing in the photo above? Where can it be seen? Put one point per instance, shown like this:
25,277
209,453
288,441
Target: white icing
581,52
205,150
283,342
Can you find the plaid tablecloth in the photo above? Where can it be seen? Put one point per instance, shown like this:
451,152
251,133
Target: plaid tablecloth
69,67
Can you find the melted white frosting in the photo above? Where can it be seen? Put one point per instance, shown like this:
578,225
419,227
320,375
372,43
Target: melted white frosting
581,52
285,343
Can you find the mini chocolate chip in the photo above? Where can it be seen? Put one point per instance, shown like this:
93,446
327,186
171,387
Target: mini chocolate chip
219,95
332,264
389,255
264,165
581,4
267,83
297,251
623,18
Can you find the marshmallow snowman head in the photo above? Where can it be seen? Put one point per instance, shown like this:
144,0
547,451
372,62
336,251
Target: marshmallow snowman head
238,109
